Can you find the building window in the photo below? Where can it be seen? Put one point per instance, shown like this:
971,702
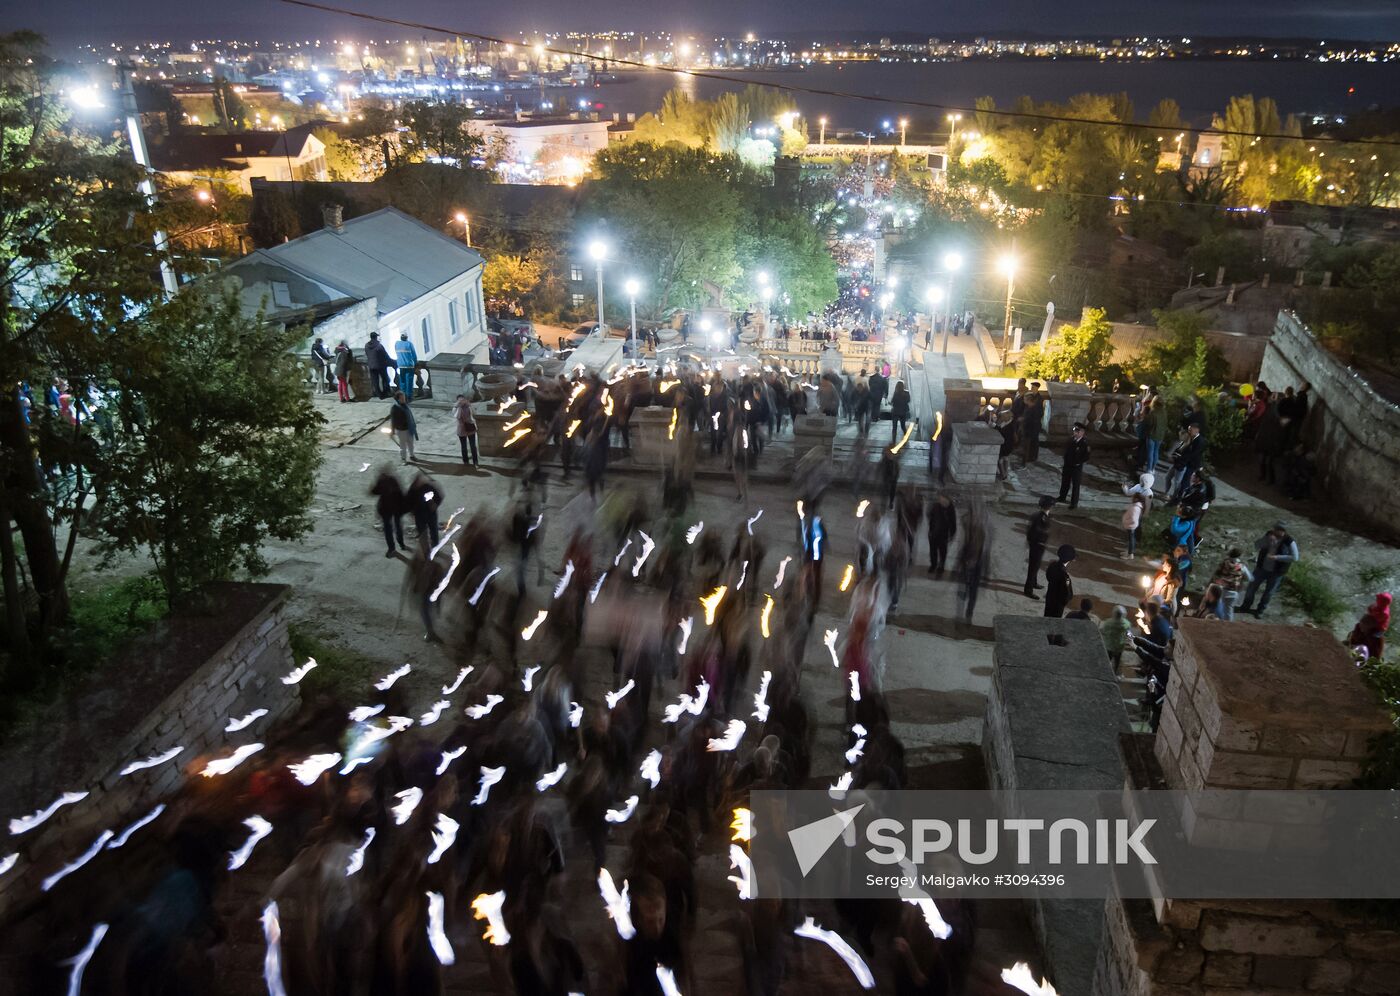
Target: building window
281,294
577,300
1205,157
576,274
452,319
426,332
471,307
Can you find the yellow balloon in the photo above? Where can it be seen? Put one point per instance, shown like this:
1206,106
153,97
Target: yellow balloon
1246,390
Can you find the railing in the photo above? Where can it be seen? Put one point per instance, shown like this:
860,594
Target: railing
1110,412
861,350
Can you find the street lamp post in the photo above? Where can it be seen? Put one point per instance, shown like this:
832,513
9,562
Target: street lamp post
633,286
952,261
821,123
903,131
953,120
598,249
1008,268
461,218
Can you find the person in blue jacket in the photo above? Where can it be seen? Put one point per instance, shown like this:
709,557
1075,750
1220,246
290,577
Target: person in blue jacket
407,358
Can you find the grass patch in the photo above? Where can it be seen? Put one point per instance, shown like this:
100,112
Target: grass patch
339,671
1374,576
1306,587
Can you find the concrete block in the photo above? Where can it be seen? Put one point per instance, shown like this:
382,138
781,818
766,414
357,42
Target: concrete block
1238,735
1229,970
1242,934
1330,975
1233,770
1280,972
1326,774
1358,743
1373,945
1379,977
1302,743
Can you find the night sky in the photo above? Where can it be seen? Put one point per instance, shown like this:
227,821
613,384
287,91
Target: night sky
85,20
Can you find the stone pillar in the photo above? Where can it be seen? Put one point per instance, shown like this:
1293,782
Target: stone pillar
649,431
490,425
1264,707
972,457
1069,403
809,431
962,399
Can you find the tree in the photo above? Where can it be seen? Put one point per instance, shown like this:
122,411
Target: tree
1078,353
441,131
75,264
509,277
273,220
1162,361
215,445
229,107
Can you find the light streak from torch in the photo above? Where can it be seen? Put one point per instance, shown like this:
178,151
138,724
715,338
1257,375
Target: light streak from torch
744,865
613,698
8,862
760,700
575,714
224,765
855,686
551,778
742,825
860,509
743,576
829,641
461,677
387,682
936,924
1019,977
686,625
234,725
937,425
519,435
671,432
618,905
488,907
666,979
625,813
765,615
597,587
451,531
564,581
447,577
529,631
258,829
749,525
838,790
623,552
355,762
714,420
847,576
357,856
688,703
361,714
364,467
272,960
573,427
299,673
434,713
651,768
450,519
448,756
711,602
782,569
77,862
856,751
79,962
444,834
409,799
908,431
489,777
733,733
484,710
527,681
843,950
155,760
313,767
512,426
647,546
693,533
476,595
146,820
437,936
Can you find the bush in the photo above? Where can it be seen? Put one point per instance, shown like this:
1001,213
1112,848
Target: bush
1306,587
1079,353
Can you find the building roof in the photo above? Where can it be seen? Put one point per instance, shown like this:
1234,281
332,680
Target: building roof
386,254
195,151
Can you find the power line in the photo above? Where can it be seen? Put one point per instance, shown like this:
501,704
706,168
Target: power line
843,94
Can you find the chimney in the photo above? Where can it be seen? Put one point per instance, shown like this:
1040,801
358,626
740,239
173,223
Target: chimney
331,216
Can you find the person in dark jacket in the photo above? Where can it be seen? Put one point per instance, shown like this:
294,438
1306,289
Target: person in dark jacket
403,426
942,527
1277,552
1072,469
879,387
1269,443
899,411
378,361
1059,586
321,358
1188,460
422,499
1030,422
389,506
1037,535
344,361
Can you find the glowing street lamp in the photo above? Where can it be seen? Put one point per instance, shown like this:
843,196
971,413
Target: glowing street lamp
598,250
903,128
633,288
953,120
952,262
1007,265
461,218
821,121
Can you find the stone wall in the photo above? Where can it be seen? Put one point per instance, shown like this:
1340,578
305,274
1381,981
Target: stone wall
210,668
1054,718
972,458
1352,431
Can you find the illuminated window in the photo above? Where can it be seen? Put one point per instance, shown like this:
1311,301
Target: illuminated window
576,273
426,333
